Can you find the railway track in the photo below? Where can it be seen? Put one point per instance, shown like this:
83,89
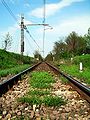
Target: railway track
44,66
7,84
83,90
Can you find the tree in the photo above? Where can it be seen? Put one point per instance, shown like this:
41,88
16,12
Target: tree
37,55
87,38
49,57
71,41
7,41
60,49
75,44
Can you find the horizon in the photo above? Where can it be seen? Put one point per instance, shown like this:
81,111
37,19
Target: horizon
64,16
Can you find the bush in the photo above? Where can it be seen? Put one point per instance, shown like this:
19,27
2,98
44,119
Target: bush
85,59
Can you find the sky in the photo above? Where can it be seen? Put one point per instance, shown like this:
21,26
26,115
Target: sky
64,16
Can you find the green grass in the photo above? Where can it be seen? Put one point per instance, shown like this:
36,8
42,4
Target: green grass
41,80
53,101
32,100
12,63
40,91
13,70
74,71
85,59
46,100
9,59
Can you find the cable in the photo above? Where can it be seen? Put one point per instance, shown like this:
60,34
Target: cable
14,17
31,36
44,10
10,11
29,44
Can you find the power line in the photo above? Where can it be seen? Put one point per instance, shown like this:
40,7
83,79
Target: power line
29,43
9,10
31,36
44,13
14,17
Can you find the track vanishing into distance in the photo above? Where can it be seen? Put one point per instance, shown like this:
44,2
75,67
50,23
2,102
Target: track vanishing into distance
83,90
77,107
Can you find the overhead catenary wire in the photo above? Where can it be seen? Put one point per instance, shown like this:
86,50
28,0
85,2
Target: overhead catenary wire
14,17
44,13
29,43
31,37
10,11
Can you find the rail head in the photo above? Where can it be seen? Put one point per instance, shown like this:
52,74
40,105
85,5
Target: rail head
78,84
7,84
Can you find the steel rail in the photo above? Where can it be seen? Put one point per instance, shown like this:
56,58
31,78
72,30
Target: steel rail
8,84
74,82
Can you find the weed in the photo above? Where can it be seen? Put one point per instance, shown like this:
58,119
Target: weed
53,101
40,81
31,100
39,92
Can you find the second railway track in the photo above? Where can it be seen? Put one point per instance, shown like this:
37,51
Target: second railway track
59,89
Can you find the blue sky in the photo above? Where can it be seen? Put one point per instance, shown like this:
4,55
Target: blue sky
64,16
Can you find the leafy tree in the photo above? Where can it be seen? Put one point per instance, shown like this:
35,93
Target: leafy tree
37,55
75,44
87,38
60,50
71,41
7,41
49,57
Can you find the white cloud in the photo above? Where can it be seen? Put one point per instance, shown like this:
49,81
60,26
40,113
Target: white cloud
51,9
79,24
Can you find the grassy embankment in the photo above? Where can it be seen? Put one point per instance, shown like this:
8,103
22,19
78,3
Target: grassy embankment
11,63
40,91
73,68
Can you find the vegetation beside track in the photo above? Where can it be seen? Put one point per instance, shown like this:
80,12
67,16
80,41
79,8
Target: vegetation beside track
9,60
14,70
40,91
73,68
12,63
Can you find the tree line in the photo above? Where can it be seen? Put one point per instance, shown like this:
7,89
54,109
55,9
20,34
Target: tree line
67,47
70,46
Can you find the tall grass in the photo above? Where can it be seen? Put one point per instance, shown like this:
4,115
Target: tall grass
73,67
9,60
13,70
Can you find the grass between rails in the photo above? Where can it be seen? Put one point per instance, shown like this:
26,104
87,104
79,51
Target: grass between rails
41,80
13,70
40,91
74,71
